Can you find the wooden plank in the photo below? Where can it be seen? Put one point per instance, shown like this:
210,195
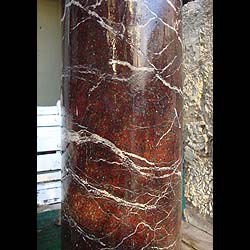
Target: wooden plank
48,120
49,162
48,207
54,176
196,238
184,246
48,196
48,185
47,110
48,139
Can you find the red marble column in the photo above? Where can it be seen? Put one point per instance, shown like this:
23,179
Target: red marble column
122,106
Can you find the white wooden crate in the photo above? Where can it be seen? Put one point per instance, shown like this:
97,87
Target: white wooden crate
48,156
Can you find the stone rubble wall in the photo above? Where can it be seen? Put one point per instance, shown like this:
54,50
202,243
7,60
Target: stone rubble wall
198,104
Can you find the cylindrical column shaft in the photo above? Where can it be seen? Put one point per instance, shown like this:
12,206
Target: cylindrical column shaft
122,107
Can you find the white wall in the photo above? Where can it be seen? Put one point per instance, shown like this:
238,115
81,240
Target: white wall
48,51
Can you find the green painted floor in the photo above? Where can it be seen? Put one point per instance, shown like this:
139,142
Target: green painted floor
48,233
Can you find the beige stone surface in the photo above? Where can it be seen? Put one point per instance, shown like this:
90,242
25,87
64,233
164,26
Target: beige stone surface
194,238
198,104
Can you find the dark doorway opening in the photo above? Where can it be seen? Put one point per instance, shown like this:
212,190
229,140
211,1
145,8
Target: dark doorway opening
186,1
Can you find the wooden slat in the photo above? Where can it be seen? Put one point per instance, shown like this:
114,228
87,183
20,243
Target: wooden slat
49,162
184,246
48,207
54,176
48,185
47,110
48,196
48,139
48,193
48,120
